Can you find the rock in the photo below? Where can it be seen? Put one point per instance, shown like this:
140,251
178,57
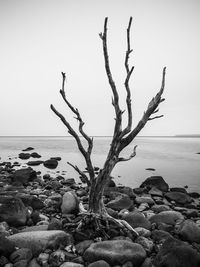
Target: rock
6,246
69,203
24,155
82,246
178,189
21,263
194,194
155,181
56,158
143,199
23,176
12,210
168,217
137,219
38,241
150,169
178,197
43,258
21,254
142,231
30,200
55,224
3,261
28,149
51,163
115,252
35,155
189,231
100,263
177,254
159,236
34,263
122,201
155,192
34,162
69,181
146,243
71,264
35,228
159,208
147,263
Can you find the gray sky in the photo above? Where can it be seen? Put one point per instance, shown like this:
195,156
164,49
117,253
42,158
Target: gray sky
41,38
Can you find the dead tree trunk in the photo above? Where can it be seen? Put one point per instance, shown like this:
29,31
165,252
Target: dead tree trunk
121,137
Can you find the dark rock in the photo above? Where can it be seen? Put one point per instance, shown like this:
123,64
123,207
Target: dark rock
178,197
30,200
21,263
56,158
3,261
34,162
189,231
23,176
150,169
147,263
21,254
69,181
28,149
34,263
159,236
115,252
144,199
155,192
12,210
167,217
138,190
177,254
137,219
6,246
178,189
156,181
47,176
122,201
24,155
146,243
160,208
51,163
35,155
194,194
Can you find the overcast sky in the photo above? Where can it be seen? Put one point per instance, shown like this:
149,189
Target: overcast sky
41,38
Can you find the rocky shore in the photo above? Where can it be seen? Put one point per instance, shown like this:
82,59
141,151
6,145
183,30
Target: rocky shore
38,214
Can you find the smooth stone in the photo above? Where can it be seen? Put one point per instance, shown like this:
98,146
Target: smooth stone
178,189
178,197
122,201
146,243
189,231
168,217
155,192
137,219
24,155
159,236
50,163
159,208
155,181
100,263
35,155
70,203
177,254
35,228
71,264
115,252
143,232
38,241
28,149
34,162
6,246
82,246
143,199
21,254
13,211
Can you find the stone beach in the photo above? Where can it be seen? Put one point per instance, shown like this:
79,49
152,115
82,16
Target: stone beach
38,212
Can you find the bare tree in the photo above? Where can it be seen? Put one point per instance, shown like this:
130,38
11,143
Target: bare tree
121,137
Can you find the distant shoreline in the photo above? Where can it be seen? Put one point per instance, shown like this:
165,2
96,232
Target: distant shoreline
103,136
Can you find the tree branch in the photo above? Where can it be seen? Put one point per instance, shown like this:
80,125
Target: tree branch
133,154
115,101
152,107
84,177
129,72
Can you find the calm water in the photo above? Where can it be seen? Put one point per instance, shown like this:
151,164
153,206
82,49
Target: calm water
173,158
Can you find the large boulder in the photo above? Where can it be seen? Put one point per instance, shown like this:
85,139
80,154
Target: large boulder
189,231
23,176
178,197
137,219
177,254
115,252
12,211
155,181
38,241
122,201
70,203
170,217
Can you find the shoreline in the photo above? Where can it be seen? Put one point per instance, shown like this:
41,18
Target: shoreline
44,209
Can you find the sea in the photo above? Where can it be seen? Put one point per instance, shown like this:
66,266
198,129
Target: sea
176,159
